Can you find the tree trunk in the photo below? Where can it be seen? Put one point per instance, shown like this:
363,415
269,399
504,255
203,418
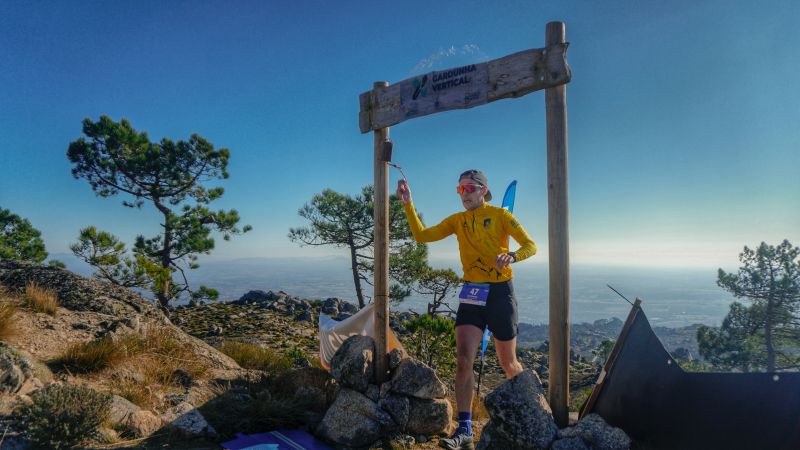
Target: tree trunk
768,336
437,300
164,297
356,278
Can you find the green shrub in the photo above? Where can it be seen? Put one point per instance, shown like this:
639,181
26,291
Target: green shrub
252,356
603,351
695,366
578,397
432,340
296,354
64,416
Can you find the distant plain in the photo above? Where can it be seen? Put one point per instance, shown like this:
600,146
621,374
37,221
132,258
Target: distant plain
671,297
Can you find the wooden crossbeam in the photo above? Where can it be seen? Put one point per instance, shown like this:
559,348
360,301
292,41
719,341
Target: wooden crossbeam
464,87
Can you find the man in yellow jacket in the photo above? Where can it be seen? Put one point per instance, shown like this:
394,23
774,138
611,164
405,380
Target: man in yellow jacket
487,297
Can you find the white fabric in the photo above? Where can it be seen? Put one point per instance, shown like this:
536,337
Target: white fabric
333,332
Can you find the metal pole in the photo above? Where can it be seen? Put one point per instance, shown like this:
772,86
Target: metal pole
558,235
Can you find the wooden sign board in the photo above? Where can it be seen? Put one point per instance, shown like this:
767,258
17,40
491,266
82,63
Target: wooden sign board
464,87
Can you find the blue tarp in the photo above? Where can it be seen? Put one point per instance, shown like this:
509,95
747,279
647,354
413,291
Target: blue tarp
276,440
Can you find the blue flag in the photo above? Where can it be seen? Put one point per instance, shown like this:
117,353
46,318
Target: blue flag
508,197
508,203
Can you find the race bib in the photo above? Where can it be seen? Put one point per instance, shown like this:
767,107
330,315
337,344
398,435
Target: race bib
474,294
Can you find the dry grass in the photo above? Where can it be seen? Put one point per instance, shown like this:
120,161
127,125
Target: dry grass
136,393
155,356
160,360
7,310
166,355
40,299
91,356
479,412
252,356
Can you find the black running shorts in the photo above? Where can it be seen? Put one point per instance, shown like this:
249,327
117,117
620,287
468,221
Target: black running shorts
500,312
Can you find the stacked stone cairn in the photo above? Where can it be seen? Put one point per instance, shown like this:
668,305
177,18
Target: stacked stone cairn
520,418
411,403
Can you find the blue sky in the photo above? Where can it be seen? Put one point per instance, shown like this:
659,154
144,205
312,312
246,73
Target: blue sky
683,115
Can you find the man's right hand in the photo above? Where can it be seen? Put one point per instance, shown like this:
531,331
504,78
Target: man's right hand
403,191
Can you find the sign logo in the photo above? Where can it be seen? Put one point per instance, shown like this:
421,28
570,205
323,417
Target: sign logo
420,88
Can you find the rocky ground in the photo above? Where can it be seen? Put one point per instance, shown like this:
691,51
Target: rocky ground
169,375
283,321
163,399
280,320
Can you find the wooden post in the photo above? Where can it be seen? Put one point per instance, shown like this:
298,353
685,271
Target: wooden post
558,235
381,243
465,87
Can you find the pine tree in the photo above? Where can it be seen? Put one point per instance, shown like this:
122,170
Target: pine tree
169,176
767,333
345,221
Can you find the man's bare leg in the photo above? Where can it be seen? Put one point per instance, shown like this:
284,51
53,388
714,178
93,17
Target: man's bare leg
507,354
468,339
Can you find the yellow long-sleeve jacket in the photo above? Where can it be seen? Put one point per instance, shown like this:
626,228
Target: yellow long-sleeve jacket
482,235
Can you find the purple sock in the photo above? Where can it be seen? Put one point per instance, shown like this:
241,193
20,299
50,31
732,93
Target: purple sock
465,421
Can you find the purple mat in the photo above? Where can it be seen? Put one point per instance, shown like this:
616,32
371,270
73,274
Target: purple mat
276,440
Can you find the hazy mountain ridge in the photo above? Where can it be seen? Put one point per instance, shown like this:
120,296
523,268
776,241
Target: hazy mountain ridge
585,337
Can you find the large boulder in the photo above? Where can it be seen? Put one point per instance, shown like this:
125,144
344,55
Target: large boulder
429,417
121,410
77,293
492,438
398,407
143,423
259,296
187,421
347,307
396,356
571,443
415,379
15,369
330,306
353,420
126,416
352,365
520,417
304,316
316,386
597,434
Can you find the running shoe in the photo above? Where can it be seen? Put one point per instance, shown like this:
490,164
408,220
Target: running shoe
459,441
